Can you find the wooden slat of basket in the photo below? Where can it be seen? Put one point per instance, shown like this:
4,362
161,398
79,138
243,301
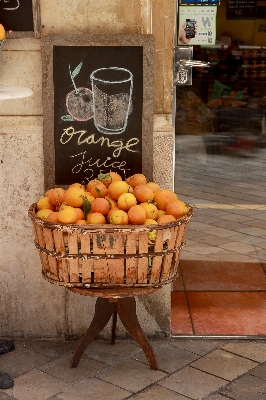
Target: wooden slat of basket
116,266
62,270
49,241
62,263
99,266
59,242
131,263
157,260
86,265
73,264
39,234
40,240
167,261
143,262
181,232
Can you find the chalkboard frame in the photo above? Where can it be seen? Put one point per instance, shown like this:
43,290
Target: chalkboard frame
48,43
36,33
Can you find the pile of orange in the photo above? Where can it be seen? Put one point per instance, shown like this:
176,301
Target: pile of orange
111,200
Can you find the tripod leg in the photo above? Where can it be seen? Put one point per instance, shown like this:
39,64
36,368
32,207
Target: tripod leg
126,308
114,324
103,312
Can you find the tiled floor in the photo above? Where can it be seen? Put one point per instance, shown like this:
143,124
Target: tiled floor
221,289
192,369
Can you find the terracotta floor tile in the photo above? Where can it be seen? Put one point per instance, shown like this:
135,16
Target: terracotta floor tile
219,275
228,313
180,318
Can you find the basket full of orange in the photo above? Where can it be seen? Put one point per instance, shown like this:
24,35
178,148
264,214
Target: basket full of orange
110,232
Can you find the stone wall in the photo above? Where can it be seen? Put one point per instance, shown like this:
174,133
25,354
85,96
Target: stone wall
30,307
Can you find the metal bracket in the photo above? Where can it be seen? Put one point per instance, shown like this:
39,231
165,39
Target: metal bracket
183,63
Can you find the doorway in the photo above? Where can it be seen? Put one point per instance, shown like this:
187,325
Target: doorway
221,169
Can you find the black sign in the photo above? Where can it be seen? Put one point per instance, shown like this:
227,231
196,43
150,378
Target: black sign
241,9
102,116
199,2
20,16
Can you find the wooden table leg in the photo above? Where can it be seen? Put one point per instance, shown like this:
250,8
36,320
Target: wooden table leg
114,324
126,309
103,312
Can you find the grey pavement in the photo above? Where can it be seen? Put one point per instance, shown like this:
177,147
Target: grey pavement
208,368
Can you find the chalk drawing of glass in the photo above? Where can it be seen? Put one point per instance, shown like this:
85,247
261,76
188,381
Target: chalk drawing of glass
112,99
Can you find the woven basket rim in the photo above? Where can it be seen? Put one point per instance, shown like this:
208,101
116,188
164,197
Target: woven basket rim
105,228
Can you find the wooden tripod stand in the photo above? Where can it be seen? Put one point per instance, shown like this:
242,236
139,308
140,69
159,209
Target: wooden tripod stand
110,303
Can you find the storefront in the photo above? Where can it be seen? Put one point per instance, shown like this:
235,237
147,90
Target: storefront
220,168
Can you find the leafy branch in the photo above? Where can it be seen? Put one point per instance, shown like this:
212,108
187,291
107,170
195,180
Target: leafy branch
74,73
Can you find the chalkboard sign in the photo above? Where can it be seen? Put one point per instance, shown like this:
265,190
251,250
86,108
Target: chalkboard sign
22,17
241,9
98,106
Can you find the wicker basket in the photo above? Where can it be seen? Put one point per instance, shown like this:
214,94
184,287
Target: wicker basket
191,128
108,255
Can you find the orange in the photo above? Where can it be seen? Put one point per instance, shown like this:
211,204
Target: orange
177,208
80,213
175,196
89,197
75,196
117,188
81,222
113,203
126,200
154,186
136,179
100,205
151,210
48,192
160,213
53,217
56,196
44,203
150,221
143,193
67,215
77,185
43,214
162,197
110,212
109,178
119,217
2,33
91,183
99,190
136,215
166,219
95,218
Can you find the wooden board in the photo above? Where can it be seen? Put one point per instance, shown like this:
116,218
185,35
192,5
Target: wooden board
22,17
98,106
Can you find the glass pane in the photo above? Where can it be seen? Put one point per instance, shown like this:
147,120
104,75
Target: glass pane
221,169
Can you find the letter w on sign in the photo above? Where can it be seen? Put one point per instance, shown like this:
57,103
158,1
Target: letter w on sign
206,21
